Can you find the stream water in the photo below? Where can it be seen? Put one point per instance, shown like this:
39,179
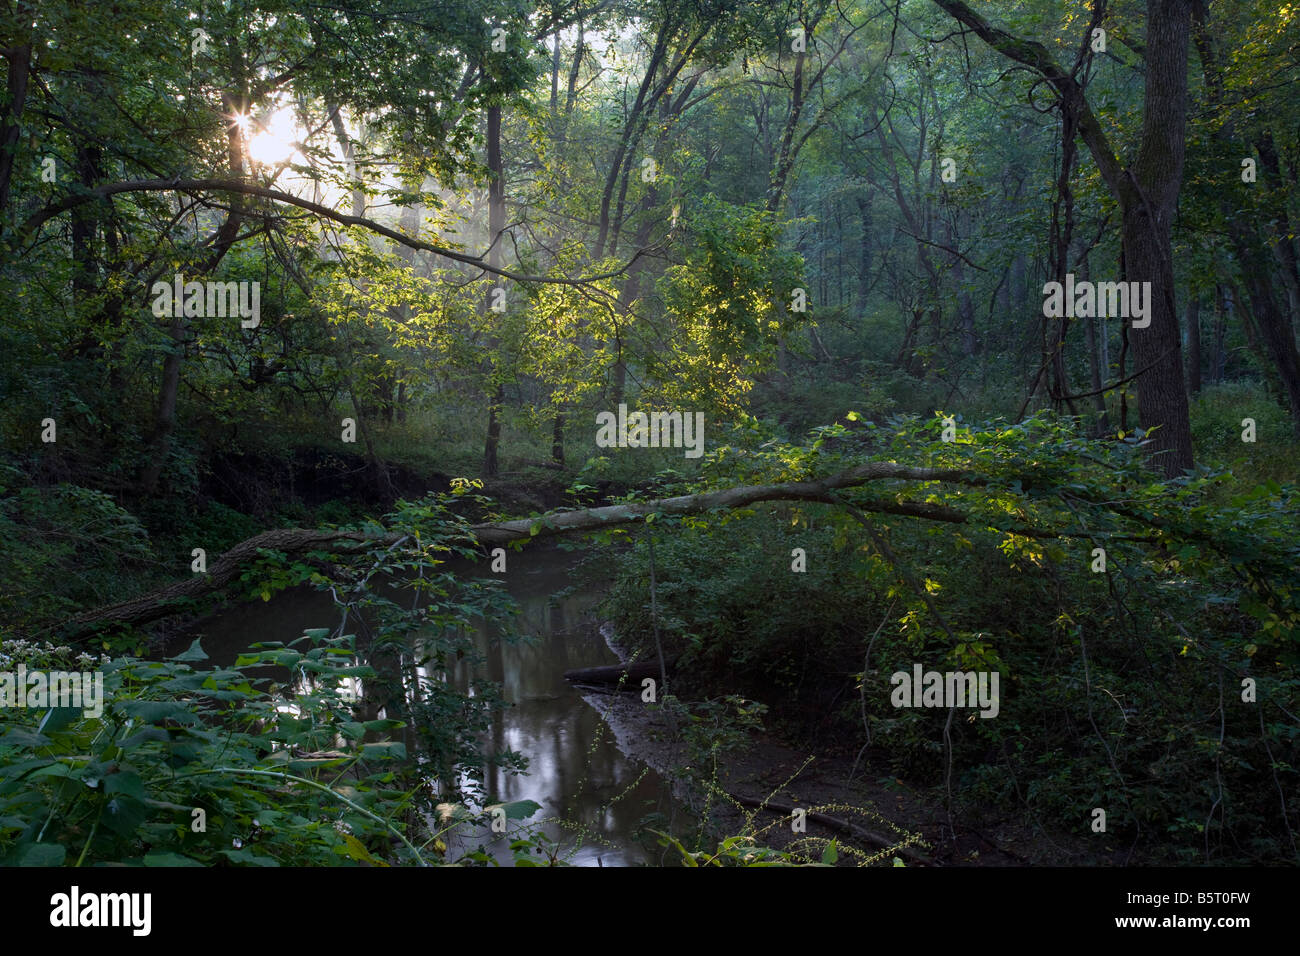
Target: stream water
595,800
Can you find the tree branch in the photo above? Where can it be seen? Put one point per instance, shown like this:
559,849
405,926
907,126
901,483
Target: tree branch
37,219
224,570
1037,58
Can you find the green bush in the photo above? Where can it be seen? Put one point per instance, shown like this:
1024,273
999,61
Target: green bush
1119,689
62,548
1217,415
196,765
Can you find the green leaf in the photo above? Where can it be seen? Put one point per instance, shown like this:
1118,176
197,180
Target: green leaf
37,854
55,770
357,851
157,711
385,750
169,859
195,653
123,814
517,810
57,718
126,782
830,854
384,723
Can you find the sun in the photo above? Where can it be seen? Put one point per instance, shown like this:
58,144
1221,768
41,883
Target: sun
271,141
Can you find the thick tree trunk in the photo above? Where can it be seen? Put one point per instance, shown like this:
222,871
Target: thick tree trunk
628,675
19,59
1148,210
1162,395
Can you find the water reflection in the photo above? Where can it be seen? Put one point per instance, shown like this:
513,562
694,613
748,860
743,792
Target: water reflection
594,799
575,771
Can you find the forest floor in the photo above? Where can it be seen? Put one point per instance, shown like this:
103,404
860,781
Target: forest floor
855,792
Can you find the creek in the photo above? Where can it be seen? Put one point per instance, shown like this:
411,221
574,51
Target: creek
595,800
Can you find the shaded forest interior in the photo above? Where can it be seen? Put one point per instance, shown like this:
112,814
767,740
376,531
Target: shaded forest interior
848,336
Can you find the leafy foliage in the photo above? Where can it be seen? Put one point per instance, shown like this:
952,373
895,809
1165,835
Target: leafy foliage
1121,689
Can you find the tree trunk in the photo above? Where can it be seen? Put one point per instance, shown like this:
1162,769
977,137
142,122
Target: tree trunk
1222,307
555,73
864,252
1094,330
572,91
20,65
175,598
165,419
1148,211
1147,194
225,569
557,438
496,225
1275,337
1162,395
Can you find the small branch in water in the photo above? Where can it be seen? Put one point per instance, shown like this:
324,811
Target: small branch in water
844,826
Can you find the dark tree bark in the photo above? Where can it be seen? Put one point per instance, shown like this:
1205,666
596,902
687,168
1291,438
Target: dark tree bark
496,226
19,61
578,50
1274,336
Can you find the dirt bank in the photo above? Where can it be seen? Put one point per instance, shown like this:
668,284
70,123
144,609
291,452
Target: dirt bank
882,813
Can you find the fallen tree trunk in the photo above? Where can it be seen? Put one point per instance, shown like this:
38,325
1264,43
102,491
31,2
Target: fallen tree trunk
175,598
629,674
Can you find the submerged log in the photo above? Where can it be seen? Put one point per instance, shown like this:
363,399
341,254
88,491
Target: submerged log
630,674
835,823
